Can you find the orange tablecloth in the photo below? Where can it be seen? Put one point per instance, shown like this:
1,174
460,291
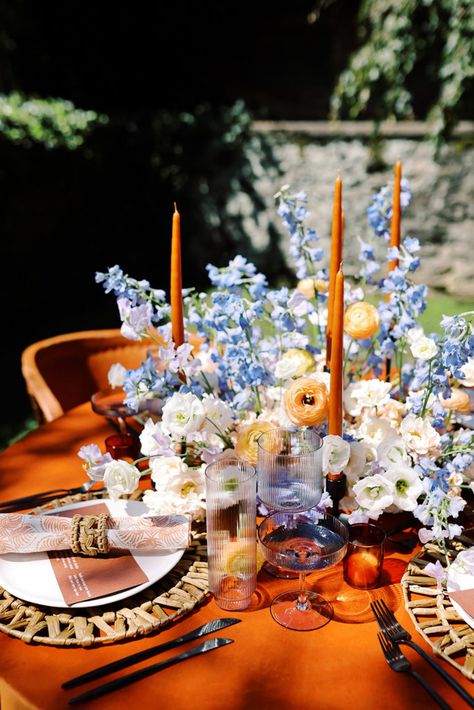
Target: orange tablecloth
336,667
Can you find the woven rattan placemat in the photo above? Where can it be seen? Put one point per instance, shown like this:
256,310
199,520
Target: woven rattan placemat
163,602
432,612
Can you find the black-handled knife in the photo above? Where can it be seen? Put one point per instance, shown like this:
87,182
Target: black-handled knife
208,628
209,645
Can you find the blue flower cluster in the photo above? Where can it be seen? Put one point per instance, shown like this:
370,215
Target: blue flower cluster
304,248
137,293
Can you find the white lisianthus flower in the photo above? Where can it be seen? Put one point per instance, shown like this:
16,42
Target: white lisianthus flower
418,435
424,348
392,451
374,494
179,488
218,415
121,478
169,503
370,393
407,485
164,468
468,371
357,460
152,440
182,414
336,453
351,404
116,375
374,430
414,334
286,368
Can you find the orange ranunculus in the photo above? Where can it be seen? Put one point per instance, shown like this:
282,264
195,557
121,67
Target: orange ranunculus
361,320
246,446
306,402
458,401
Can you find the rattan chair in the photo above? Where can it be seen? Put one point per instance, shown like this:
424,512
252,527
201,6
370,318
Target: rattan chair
64,371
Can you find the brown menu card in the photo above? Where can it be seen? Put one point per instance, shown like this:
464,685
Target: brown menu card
83,578
465,599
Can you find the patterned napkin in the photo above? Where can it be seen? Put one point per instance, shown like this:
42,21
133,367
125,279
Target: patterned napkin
40,533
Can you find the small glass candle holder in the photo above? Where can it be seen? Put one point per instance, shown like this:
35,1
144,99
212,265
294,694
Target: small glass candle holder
123,446
364,558
231,492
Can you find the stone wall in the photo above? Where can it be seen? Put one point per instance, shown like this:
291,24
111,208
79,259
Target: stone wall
441,213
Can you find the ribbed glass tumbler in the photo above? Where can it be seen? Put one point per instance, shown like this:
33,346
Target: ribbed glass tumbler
290,468
231,491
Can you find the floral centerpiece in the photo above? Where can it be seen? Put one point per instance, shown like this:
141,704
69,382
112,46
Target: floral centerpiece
255,358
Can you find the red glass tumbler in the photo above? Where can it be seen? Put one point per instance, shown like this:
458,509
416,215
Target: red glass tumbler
122,446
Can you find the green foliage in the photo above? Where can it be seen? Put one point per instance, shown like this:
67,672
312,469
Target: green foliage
51,122
433,37
209,161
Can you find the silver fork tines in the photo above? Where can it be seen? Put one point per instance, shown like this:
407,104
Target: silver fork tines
398,662
395,632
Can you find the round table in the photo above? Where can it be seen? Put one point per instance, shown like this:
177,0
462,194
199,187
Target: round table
338,666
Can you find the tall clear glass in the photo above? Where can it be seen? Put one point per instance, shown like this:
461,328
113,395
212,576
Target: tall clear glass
290,468
231,492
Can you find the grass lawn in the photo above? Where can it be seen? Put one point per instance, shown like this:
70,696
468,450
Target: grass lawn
440,304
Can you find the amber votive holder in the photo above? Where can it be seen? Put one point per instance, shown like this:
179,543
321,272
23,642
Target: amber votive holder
123,446
364,558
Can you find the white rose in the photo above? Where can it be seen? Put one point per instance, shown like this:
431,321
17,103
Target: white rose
392,451
468,370
418,435
121,478
164,468
375,430
116,375
374,494
336,453
182,414
424,348
407,486
287,367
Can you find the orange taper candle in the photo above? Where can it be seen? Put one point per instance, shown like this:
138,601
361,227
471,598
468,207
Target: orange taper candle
335,260
176,288
337,359
396,214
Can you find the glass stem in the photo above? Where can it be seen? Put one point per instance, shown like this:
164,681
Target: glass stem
302,603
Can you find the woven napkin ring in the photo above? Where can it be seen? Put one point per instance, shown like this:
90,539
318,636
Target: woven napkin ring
89,535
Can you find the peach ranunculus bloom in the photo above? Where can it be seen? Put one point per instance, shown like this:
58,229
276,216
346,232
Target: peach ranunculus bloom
361,320
309,286
246,445
458,401
306,402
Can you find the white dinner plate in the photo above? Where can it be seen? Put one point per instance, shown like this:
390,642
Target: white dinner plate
458,579
31,577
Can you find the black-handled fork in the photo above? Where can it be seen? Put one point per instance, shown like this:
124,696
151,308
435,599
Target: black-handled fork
398,662
395,632
11,506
